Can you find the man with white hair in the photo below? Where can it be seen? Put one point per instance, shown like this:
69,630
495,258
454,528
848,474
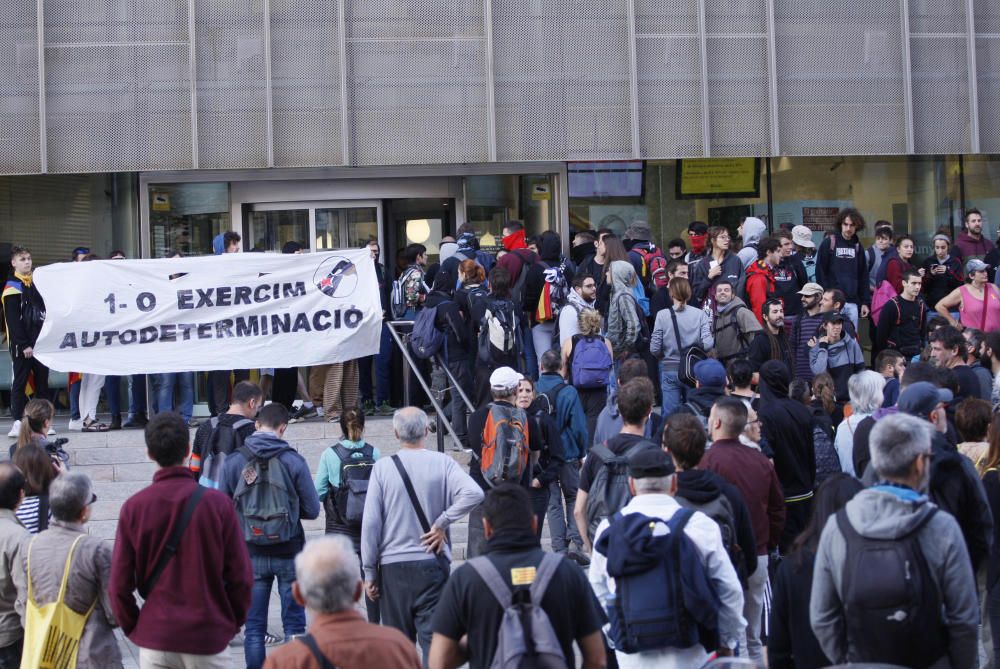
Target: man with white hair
907,595
328,586
413,498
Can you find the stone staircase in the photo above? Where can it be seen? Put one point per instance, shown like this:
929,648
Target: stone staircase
118,465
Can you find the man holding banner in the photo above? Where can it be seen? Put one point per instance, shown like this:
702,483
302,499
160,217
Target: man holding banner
24,312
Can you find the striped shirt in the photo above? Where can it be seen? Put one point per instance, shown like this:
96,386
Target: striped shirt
27,513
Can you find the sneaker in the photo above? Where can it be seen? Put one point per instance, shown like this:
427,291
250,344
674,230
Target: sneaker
384,409
302,413
193,423
579,557
368,407
15,429
52,431
273,639
75,425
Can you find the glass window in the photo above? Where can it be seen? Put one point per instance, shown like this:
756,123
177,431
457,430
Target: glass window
271,230
916,195
491,201
186,217
346,227
982,191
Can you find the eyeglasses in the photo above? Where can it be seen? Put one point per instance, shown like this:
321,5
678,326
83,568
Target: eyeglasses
590,285
93,498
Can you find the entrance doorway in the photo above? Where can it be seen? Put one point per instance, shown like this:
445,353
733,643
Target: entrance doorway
418,221
268,226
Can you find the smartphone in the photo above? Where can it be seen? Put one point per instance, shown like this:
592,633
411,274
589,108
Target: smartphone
713,264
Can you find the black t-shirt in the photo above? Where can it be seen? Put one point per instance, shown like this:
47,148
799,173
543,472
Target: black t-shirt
618,445
474,441
204,433
968,384
468,607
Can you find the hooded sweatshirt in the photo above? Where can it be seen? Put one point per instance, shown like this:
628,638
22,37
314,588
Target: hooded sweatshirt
842,263
694,327
890,512
841,359
760,287
786,425
789,277
623,318
753,230
303,500
734,330
701,487
968,247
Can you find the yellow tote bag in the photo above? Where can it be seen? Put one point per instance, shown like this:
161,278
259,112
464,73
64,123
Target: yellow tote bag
52,632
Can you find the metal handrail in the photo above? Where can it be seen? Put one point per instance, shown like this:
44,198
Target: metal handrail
454,384
411,365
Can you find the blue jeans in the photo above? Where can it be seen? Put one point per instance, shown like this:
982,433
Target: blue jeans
113,391
383,370
293,616
530,359
165,384
74,401
674,392
562,524
852,312
136,394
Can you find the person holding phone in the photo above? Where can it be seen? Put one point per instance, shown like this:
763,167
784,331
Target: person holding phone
942,272
719,265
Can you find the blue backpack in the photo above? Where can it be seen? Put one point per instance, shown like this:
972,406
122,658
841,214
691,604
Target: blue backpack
663,596
590,365
426,340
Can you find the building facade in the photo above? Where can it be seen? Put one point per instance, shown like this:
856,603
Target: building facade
151,126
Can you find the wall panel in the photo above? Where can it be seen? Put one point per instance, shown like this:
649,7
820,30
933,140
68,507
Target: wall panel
20,148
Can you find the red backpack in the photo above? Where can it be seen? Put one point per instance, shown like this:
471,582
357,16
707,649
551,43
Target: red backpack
654,267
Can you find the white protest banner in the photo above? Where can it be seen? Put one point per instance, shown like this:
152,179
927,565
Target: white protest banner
238,310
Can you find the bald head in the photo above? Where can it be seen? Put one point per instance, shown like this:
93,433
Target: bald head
328,574
11,486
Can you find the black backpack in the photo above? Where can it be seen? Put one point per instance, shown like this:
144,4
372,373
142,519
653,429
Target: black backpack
721,511
892,606
348,500
609,490
827,458
223,440
545,403
499,341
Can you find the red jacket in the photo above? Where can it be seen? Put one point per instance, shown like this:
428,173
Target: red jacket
760,286
203,595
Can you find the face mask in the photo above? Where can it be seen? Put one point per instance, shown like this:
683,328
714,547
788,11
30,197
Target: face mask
698,243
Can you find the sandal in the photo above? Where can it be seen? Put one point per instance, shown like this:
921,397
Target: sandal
94,426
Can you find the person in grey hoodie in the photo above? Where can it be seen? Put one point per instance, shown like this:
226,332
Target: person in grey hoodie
891,511
624,328
750,231
404,564
273,561
836,352
693,328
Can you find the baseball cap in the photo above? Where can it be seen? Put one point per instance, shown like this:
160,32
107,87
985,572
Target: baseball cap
802,236
697,228
650,463
811,289
921,398
833,317
975,265
505,378
710,372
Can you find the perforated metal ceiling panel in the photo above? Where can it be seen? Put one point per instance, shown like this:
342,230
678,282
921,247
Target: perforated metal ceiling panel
561,73
305,80
669,89
232,106
940,94
20,150
738,96
418,102
988,85
414,19
839,95
118,108
99,21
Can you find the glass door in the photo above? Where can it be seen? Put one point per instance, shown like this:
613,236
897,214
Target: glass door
345,227
270,229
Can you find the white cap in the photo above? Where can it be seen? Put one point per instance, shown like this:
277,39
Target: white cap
505,378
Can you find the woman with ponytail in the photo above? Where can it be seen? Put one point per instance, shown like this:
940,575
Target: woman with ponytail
342,483
35,424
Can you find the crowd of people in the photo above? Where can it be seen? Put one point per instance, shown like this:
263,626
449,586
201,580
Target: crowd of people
787,451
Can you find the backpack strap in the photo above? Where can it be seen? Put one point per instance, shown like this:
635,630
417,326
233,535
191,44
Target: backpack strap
408,484
173,542
603,452
310,643
694,409
546,570
493,580
679,520
553,392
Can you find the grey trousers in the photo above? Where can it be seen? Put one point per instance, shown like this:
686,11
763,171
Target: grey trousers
409,594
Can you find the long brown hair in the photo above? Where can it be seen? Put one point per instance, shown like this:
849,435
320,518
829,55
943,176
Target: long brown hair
613,250
992,459
36,465
36,413
823,390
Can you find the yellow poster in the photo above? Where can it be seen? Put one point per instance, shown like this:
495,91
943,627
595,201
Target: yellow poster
718,177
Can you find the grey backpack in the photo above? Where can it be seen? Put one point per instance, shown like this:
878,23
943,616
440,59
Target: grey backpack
526,639
266,501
